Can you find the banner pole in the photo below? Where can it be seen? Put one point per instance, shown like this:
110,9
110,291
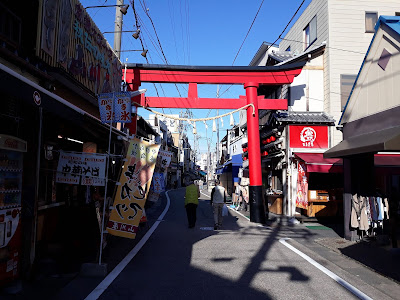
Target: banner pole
106,182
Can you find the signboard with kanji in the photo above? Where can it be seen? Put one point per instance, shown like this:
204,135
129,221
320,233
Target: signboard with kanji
106,102
307,136
72,166
115,107
122,107
134,184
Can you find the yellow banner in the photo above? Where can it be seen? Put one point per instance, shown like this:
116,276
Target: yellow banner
132,192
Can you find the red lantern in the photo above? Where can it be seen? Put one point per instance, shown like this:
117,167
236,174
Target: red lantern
268,141
245,158
273,138
264,142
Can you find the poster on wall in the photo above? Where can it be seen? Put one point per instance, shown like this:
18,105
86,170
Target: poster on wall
302,186
132,191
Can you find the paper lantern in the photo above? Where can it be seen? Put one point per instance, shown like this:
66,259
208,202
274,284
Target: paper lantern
273,138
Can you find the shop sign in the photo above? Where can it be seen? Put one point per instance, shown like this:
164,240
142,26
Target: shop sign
302,186
115,107
70,40
133,188
8,142
304,136
74,166
158,183
164,159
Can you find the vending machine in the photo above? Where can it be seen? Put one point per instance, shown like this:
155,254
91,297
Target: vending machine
11,155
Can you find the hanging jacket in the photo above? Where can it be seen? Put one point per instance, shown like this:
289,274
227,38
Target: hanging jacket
359,217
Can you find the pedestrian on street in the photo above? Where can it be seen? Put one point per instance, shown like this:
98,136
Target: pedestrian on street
218,199
191,201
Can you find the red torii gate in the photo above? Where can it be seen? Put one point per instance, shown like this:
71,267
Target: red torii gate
250,77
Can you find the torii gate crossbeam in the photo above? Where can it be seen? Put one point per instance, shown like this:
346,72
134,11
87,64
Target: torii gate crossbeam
250,77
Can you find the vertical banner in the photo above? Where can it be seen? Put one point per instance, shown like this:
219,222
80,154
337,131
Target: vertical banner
122,107
106,107
132,192
302,186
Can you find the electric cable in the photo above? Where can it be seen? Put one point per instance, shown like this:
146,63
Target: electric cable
287,25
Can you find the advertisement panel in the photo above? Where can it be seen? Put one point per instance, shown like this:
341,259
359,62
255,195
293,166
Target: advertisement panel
132,191
71,41
306,136
72,166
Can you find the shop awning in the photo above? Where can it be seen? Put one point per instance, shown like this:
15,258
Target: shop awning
202,173
387,160
226,167
317,163
23,88
378,141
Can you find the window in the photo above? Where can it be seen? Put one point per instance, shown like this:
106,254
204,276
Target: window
310,33
384,59
397,14
370,21
346,84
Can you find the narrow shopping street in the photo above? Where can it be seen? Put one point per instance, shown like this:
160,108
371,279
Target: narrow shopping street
243,260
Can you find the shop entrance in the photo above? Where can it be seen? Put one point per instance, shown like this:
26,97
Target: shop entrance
250,77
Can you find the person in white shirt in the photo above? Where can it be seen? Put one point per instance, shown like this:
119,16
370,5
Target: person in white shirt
218,199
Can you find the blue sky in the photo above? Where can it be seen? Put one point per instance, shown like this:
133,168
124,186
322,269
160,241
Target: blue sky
206,32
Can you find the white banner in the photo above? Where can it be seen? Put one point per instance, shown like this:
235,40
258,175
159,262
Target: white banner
74,165
164,159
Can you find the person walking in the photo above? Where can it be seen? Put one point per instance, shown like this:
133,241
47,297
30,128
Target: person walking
218,199
191,201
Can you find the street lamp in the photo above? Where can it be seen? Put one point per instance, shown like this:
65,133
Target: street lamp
144,52
123,7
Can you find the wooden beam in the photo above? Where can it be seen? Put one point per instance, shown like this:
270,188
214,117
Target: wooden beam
213,103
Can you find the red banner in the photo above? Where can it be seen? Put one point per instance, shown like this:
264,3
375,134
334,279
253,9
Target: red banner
305,136
302,186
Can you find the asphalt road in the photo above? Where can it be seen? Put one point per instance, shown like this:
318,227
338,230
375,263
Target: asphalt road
243,260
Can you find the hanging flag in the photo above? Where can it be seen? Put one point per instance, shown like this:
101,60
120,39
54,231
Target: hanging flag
132,192
106,101
302,186
115,107
122,107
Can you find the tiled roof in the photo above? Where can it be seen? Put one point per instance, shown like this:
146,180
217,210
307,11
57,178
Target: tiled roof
304,117
281,55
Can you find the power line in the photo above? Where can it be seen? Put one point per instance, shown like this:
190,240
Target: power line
255,17
334,48
287,25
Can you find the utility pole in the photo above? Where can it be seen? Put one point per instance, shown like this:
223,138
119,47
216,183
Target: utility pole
118,28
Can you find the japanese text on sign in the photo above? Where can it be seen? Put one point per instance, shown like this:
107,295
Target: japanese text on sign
74,165
134,185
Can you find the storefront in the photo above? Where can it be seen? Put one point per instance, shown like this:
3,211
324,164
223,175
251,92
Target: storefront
371,142
296,178
58,220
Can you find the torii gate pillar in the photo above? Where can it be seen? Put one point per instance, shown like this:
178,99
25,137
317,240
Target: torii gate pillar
257,208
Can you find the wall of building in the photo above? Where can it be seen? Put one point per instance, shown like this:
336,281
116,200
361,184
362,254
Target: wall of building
347,32
376,89
305,96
